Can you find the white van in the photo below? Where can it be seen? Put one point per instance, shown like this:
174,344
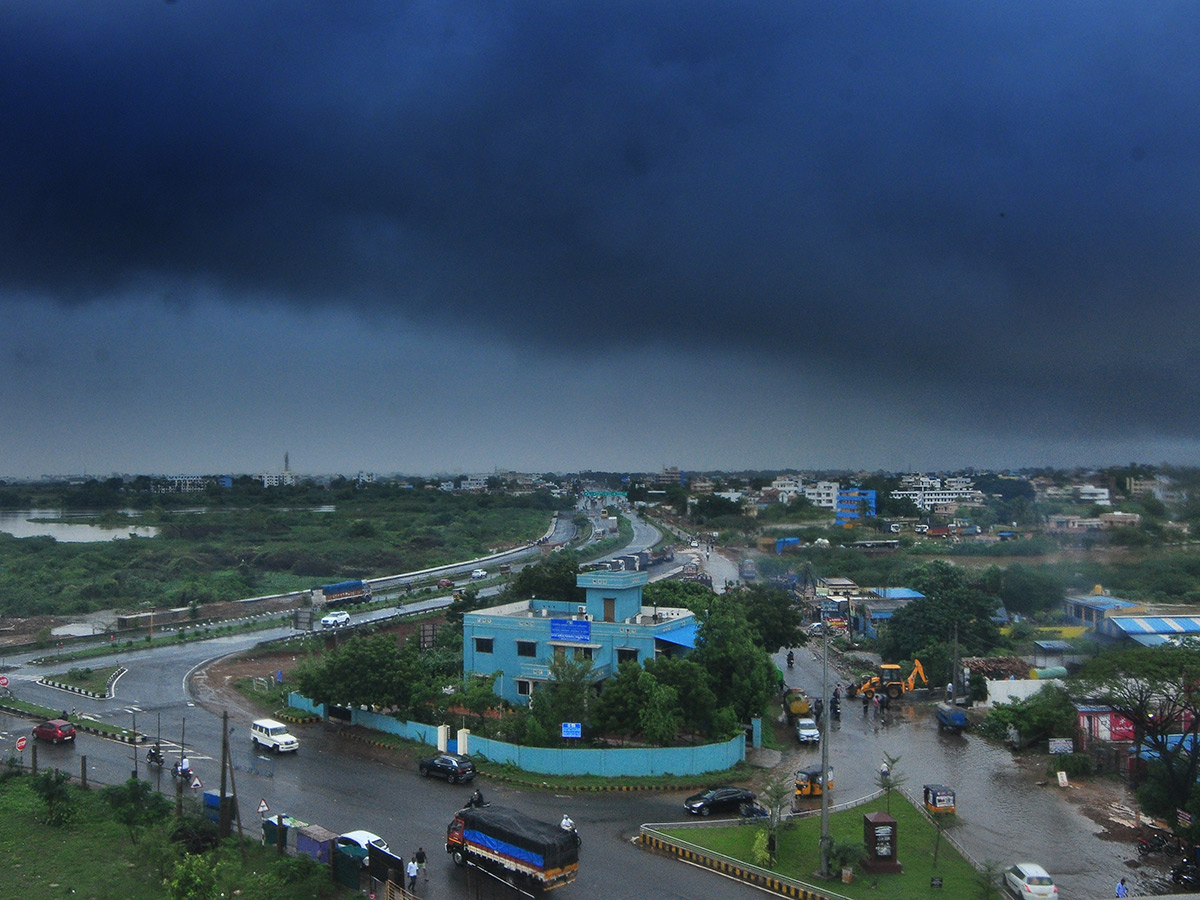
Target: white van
272,735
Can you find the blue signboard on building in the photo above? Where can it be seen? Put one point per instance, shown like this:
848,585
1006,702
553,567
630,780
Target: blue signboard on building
572,729
576,630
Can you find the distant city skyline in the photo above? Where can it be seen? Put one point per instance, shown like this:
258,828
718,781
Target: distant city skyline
598,235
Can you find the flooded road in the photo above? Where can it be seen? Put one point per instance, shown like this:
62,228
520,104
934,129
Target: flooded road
1003,814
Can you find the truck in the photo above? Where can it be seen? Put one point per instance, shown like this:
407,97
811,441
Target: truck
530,854
747,570
950,718
796,704
345,593
888,681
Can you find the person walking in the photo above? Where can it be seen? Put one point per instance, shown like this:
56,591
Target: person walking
1122,890
412,870
420,858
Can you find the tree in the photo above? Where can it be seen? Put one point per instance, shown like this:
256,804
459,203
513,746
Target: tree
1048,713
565,697
618,709
776,621
135,804
953,606
53,787
889,778
659,717
552,579
370,671
1158,690
193,879
739,671
678,594
694,694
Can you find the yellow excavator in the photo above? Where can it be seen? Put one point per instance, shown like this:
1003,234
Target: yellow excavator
888,681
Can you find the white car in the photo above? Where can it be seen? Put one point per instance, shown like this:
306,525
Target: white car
479,573
1029,880
335,619
361,840
807,731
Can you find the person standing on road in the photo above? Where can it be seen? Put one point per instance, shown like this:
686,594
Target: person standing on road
1122,890
420,858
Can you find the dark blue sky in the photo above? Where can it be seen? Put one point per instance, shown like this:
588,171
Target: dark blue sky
449,237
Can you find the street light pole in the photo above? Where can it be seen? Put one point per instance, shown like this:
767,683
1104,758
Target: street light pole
825,733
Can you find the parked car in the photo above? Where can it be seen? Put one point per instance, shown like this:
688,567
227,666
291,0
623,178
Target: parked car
479,573
361,840
723,798
807,731
335,619
1029,880
272,735
56,731
445,582
450,766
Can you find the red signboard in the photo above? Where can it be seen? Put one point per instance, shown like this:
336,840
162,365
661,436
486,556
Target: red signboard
20,743
3,681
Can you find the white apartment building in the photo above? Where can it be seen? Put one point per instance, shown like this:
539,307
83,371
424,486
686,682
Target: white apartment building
823,494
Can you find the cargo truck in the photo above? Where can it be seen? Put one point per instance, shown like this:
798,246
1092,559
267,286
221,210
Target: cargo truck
528,853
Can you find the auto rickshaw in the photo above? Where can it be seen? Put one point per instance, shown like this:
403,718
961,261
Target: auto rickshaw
810,783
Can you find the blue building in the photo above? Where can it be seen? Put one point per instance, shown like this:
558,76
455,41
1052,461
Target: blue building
852,505
519,640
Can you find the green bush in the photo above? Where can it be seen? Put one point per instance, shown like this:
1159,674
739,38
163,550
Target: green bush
1076,765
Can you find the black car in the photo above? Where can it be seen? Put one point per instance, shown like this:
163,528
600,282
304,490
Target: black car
718,799
451,766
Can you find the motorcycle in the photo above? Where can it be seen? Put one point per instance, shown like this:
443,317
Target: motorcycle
1156,842
791,659
180,771
154,757
568,826
1186,874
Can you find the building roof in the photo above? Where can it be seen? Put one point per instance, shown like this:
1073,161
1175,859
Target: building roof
1102,602
683,637
1151,631
1063,646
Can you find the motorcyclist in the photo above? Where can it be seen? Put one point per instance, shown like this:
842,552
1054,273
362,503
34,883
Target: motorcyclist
566,824
154,755
791,658
477,801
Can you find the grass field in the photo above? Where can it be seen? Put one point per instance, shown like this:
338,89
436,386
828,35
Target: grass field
799,854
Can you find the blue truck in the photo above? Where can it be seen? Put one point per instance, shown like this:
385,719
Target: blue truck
345,593
951,718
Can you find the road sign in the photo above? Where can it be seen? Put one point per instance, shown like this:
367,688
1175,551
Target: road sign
262,807
3,681
20,743
196,785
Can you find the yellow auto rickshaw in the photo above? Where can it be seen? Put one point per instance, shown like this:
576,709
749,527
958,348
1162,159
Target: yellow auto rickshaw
810,783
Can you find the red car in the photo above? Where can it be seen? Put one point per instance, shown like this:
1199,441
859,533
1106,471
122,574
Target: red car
445,583
56,731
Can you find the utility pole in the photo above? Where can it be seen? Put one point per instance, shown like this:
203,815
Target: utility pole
826,731
223,818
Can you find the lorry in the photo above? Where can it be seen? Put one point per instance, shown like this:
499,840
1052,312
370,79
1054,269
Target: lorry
796,704
950,718
345,593
888,681
530,854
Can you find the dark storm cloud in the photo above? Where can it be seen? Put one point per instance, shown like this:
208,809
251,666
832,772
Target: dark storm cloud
990,208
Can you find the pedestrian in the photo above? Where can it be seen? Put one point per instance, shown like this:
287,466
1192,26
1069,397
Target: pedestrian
875,703
420,858
950,692
866,703
1122,890
412,870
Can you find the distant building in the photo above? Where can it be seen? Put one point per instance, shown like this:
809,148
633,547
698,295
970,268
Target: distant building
519,640
823,494
186,484
929,493
854,504
278,479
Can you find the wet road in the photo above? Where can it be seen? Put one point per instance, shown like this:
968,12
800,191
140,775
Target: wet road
1002,814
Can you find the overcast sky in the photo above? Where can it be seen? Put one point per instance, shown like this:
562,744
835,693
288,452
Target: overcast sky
454,236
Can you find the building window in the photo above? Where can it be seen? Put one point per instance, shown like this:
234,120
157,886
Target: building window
524,688
624,656
483,645
583,652
526,648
